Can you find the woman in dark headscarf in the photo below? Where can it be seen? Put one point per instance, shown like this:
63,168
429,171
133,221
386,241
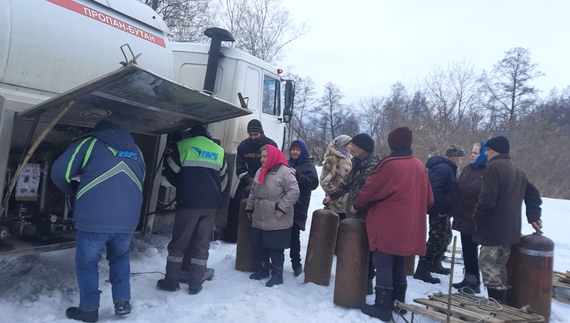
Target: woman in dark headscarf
273,193
468,189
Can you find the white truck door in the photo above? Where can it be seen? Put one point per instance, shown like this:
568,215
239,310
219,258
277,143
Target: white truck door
271,110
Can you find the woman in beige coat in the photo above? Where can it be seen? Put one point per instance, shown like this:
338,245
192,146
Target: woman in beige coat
336,166
273,194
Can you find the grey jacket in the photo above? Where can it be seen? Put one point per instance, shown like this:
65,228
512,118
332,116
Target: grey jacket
279,191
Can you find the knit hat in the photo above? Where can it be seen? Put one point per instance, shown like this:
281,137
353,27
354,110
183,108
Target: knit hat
254,126
400,137
105,125
455,151
198,130
364,142
499,144
342,141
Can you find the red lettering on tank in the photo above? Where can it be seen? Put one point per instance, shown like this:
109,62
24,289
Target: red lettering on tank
109,20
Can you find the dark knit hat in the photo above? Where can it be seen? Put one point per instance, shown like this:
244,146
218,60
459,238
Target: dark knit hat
499,144
400,137
105,125
198,130
455,151
364,142
254,126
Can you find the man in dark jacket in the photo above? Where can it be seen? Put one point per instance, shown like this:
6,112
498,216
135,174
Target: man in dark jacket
442,172
110,170
304,168
248,161
196,169
498,214
363,162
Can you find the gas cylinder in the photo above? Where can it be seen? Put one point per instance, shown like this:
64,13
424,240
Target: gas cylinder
245,261
351,264
320,250
530,274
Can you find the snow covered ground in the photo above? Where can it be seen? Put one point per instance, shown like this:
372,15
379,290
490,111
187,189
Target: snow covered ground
38,288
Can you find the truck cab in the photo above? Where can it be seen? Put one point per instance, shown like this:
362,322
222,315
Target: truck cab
67,64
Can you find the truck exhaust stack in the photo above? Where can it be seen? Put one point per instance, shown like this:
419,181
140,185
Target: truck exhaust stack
217,35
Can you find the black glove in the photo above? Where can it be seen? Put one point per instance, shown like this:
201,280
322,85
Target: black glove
248,186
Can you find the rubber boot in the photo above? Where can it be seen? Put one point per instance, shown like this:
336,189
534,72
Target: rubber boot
382,308
437,268
298,270
461,283
423,274
75,313
399,294
262,272
500,295
276,276
471,286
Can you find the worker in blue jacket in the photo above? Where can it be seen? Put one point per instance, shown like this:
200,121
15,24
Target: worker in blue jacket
105,171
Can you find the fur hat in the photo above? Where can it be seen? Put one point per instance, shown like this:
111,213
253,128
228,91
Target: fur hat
254,126
342,141
455,151
400,137
499,144
364,142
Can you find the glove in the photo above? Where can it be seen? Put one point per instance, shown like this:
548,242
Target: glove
248,186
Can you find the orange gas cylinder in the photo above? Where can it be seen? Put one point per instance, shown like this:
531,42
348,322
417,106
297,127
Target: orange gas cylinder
245,261
351,264
530,274
320,250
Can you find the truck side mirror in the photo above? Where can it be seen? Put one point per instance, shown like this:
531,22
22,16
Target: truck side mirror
289,98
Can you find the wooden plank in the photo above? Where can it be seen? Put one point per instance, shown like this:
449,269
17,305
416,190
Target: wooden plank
440,317
480,316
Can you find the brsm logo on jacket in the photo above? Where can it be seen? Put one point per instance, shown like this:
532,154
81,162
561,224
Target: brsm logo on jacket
206,154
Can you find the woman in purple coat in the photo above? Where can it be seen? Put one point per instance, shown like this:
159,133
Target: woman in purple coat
468,189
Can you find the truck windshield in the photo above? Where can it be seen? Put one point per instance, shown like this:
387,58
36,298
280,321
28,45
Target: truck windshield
271,96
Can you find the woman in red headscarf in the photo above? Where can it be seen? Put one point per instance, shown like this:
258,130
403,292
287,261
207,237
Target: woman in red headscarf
273,194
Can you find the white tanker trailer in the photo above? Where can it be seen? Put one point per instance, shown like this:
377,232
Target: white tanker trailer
60,73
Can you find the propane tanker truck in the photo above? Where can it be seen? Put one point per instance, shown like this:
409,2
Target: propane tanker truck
67,64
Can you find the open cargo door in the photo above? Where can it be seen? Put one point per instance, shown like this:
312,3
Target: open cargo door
137,100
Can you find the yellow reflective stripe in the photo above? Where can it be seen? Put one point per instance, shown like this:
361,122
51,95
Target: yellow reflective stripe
88,153
70,164
112,150
119,168
198,163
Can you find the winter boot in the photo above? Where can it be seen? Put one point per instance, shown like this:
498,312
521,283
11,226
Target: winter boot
382,308
297,270
122,308
167,285
437,268
194,291
423,274
369,287
170,281
261,272
471,286
462,283
276,276
500,295
75,313
399,294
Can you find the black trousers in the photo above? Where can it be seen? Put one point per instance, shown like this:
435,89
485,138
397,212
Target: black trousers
470,254
295,252
390,269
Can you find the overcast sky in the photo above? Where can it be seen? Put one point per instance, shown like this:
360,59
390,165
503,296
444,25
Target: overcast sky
364,46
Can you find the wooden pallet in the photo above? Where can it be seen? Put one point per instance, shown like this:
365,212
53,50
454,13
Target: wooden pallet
469,308
560,280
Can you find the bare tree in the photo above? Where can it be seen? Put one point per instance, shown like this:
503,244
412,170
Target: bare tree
508,85
372,115
261,27
186,19
332,110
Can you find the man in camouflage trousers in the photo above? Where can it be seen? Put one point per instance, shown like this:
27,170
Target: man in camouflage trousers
498,215
442,176
363,162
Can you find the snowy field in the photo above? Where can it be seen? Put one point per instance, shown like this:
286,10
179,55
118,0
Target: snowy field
38,288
